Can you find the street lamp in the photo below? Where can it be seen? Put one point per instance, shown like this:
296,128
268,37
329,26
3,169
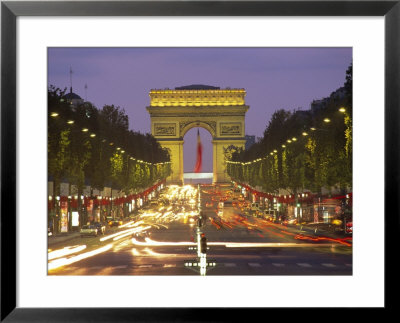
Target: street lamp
319,129
342,109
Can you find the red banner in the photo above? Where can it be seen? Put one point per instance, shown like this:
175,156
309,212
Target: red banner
197,167
301,197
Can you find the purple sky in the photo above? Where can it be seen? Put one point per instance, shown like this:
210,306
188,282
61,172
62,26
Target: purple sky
274,78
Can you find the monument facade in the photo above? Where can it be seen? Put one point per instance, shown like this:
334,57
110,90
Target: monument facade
220,111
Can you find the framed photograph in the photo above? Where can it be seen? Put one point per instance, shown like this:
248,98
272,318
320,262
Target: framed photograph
164,61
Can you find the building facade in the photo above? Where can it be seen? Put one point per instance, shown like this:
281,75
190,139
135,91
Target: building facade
220,111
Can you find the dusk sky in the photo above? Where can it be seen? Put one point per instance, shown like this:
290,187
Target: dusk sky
274,78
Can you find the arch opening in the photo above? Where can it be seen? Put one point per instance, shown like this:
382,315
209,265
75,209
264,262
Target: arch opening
205,176
198,124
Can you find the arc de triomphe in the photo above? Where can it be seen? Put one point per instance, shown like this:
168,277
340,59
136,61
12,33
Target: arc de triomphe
220,111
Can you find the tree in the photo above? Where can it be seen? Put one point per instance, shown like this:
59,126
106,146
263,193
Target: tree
87,144
297,158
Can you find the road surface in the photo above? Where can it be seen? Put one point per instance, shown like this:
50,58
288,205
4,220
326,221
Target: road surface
163,240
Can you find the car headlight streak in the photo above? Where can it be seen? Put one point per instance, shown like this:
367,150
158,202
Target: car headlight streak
65,251
67,261
129,232
124,233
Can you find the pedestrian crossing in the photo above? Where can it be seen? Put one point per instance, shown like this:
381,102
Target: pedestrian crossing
228,265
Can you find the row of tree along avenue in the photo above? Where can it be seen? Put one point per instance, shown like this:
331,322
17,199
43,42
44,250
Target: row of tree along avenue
90,147
302,151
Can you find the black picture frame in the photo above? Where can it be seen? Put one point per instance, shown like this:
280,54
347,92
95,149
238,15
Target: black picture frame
10,10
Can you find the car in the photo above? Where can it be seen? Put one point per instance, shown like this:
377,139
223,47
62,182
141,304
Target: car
349,228
245,212
142,235
254,206
115,223
266,214
88,230
101,228
259,213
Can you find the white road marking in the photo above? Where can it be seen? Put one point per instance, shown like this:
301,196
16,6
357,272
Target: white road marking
169,265
302,264
80,271
105,271
254,264
120,267
145,266
329,265
278,265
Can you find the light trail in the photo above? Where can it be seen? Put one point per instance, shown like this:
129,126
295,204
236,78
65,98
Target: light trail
131,232
150,252
150,242
67,261
128,231
150,214
341,241
271,244
163,225
65,251
114,235
135,252
130,224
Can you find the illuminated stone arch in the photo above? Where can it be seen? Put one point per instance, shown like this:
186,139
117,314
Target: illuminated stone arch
220,111
185,126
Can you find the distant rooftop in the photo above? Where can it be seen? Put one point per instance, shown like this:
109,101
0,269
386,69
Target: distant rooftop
197,87
71,96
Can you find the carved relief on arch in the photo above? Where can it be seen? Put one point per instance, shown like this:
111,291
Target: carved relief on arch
185,126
